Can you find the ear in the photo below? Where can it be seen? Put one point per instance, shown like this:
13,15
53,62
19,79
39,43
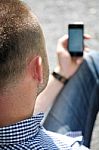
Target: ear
36,69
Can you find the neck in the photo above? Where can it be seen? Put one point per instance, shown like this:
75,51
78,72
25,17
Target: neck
16,105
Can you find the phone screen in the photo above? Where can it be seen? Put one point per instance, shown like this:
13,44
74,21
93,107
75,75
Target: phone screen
76,44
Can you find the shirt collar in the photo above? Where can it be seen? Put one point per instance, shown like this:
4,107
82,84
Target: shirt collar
21,131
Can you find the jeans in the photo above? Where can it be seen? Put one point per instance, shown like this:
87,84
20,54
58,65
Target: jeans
77,104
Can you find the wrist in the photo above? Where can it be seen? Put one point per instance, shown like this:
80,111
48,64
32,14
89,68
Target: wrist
61,72
59,77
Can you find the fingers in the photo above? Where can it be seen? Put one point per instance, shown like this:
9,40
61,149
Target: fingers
86,49
63,44
87,36
64,40
77,60
68,65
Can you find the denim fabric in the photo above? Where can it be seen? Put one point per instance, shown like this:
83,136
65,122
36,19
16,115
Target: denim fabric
72,108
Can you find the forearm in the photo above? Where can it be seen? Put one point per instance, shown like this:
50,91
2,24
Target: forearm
46,99
66,67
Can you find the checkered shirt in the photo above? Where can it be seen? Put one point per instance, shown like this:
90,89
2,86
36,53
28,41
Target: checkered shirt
29,134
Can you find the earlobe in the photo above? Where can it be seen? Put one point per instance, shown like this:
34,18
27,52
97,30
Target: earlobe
36,68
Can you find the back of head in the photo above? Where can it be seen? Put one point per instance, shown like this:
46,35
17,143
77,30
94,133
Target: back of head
20,38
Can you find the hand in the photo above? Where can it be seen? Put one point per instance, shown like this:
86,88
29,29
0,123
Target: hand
67,65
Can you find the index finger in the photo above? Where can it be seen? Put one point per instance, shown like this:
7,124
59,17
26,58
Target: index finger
87,36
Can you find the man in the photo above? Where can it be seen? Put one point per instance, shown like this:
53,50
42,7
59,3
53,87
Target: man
23,75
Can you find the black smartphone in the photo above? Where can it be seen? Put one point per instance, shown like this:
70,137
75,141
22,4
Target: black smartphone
76,39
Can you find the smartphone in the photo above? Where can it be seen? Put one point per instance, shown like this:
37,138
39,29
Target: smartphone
76,39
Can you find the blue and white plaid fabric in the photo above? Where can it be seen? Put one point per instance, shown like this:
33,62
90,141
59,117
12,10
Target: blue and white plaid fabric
30,135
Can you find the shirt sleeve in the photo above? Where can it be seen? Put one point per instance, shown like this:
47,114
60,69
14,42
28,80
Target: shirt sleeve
76,146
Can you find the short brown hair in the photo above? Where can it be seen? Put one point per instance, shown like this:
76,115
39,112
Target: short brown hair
20,35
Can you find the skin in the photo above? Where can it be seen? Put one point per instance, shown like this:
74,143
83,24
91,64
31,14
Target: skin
66,66
17,102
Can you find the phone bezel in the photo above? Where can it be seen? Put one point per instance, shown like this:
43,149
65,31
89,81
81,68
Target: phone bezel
74,26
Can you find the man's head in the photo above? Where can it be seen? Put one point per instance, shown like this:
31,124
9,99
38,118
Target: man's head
21,40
